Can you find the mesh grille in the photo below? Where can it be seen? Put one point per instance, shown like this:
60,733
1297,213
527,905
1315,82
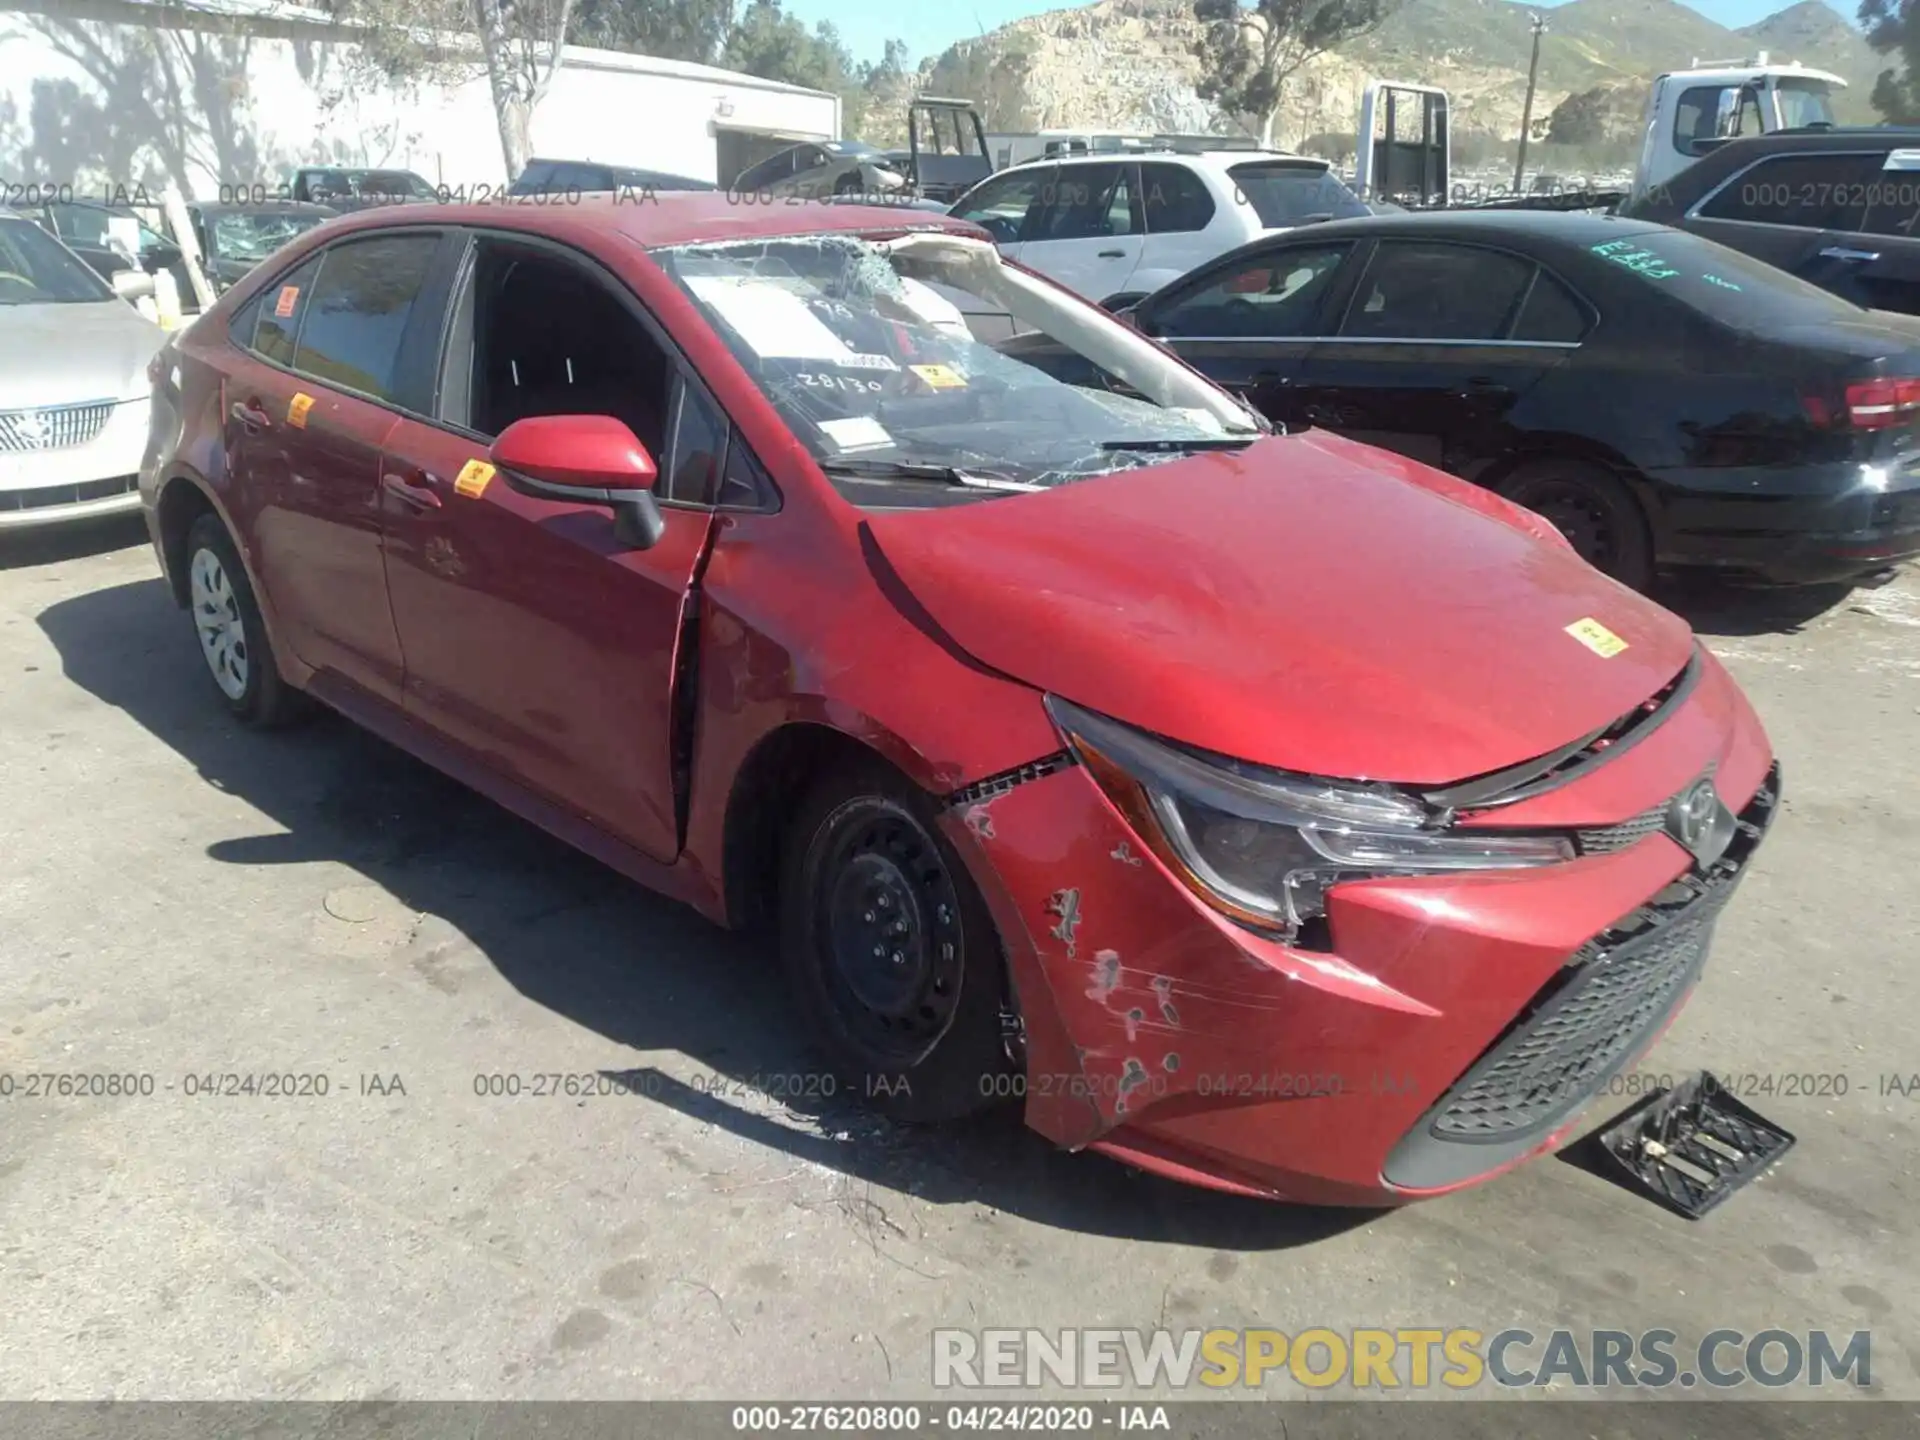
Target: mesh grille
1576,1038
1605,839
54,428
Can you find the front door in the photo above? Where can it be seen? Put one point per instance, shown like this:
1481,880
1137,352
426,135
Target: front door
307,408
1250,324
1090,234
1436,348
535,638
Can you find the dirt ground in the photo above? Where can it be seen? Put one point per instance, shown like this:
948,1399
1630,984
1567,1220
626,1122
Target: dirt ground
183,899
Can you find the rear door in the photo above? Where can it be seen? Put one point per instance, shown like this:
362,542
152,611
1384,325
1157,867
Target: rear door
308,405
1177,208
1249,325
1872,254
1089,235
1439,342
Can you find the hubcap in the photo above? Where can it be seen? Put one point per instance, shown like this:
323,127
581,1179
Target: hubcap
891,935
216,615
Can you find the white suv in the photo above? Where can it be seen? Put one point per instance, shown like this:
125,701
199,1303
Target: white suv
1118,227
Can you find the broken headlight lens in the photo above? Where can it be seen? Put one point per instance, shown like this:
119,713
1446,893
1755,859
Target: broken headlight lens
1264,846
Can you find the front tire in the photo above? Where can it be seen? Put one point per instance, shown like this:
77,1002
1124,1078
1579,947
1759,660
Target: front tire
232,634
890,952
1594,511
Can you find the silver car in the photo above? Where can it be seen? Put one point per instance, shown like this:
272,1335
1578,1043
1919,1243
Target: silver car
74,395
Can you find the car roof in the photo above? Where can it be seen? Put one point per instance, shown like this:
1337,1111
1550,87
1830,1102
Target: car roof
1202,159
669,217
1569,227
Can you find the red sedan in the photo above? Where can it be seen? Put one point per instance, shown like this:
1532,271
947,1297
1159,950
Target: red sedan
1265,810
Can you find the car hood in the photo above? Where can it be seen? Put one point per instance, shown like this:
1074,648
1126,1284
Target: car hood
1307,603
66,354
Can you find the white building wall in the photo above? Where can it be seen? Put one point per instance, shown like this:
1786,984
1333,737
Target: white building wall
283,94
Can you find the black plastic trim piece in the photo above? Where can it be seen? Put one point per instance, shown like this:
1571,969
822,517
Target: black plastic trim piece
999,784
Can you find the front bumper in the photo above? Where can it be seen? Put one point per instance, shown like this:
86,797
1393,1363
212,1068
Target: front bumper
76,482
1461,1024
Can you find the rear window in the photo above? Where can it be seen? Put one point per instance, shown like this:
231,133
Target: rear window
1283,195
1723,284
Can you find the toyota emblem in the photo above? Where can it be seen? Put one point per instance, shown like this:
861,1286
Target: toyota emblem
1700,822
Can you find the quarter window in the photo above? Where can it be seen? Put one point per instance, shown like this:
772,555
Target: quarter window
359,309
1420,291
699,449
1551,313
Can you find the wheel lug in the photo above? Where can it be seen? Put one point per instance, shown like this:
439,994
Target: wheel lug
885,902
879,951
868,917
899,927
898,958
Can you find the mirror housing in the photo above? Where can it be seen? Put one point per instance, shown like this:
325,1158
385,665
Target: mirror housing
132,285
584,460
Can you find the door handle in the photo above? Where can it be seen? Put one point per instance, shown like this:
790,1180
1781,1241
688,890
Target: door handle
1113,254
415,494
251,414
1855,257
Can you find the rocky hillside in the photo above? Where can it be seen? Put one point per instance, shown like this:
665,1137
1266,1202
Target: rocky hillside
1128,64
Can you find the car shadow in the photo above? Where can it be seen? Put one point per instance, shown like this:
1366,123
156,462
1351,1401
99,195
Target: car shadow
575,937
73,540
1717,608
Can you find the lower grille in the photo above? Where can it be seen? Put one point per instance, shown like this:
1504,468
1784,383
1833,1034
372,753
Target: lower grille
56,427
1896,512
1606,1003
1605,839
43,496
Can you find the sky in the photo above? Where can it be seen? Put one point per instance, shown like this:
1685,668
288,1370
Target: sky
867,25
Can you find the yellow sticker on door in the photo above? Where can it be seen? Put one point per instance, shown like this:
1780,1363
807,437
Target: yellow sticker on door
472,479
1596,637
940,377
297,409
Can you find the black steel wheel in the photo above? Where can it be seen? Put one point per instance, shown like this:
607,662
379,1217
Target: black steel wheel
890,951
1594,511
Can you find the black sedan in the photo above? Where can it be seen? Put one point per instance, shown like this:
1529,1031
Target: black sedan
235,238
1663,400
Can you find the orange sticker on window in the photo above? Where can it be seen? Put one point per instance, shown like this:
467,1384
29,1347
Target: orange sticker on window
472,479
297,409
940,377
289,297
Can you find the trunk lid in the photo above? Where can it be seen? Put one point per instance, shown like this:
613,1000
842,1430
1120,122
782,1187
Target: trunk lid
1307,603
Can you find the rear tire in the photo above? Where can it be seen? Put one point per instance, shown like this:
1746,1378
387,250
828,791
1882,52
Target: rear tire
232,634
889,950
1594,510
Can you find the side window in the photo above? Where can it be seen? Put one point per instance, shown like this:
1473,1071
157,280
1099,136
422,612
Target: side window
240,329
1281,293
1693,117
282,307
1174,199
358,313
1551,313
690,472
1002,204
1807,190
588,178
1088,201
550,338
1416,290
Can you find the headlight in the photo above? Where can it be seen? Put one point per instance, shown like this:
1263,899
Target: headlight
1263,846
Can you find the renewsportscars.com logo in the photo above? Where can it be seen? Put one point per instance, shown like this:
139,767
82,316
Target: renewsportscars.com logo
1414,1359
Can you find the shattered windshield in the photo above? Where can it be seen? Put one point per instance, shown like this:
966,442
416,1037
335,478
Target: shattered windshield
253,237
868,350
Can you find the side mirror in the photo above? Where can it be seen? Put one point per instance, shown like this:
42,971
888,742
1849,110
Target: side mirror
132,285
584,460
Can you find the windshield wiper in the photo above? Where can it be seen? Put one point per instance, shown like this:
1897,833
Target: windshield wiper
1207,442
937,474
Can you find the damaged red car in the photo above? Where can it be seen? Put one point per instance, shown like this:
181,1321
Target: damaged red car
1262,809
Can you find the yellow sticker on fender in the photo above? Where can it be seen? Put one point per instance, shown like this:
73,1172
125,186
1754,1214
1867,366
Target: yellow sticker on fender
940,377
297,409
472,479
1596,637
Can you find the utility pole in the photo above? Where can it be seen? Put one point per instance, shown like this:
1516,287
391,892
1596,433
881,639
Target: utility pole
1526,111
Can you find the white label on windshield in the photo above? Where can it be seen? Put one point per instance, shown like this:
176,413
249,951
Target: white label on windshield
856,432
775,323
858,361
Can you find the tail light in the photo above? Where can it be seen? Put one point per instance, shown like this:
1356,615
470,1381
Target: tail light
1868,405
